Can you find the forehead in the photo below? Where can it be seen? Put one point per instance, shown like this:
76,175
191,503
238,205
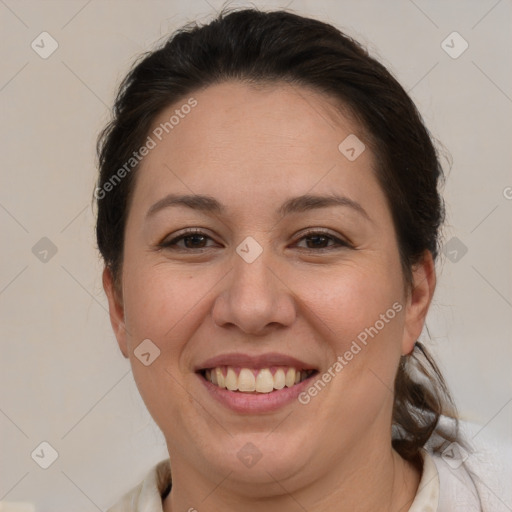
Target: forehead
238,117
253,141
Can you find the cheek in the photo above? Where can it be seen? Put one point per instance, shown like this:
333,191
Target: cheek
360,313
354,297
169,306
160,304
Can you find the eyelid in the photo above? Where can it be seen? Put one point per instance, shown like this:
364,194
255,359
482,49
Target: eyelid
185,232
339,240
322,231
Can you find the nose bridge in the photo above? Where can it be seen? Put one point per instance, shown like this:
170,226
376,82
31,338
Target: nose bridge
254,279
254,296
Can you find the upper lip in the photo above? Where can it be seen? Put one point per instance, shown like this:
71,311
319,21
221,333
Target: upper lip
255,361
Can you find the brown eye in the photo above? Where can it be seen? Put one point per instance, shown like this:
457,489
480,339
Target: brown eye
197,240
319,240
192,239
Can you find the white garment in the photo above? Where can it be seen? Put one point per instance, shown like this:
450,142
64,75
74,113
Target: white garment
452,482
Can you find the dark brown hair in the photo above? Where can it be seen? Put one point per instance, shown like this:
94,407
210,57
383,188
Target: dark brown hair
274,47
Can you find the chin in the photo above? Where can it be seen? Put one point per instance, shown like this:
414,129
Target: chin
260,459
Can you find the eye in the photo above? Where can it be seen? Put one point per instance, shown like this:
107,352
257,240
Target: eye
197,239
192,238
319,238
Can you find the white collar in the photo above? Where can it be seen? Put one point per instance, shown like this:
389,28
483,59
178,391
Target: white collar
427,495
147,496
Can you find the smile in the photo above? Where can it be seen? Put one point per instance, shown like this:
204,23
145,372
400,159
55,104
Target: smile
252,380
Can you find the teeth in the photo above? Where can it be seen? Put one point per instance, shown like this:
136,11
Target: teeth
231,380
250,380
290,378
264,381
246,380
279,379
221,381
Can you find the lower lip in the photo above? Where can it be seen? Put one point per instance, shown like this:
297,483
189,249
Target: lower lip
255,402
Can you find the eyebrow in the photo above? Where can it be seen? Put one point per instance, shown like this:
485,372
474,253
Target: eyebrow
300,204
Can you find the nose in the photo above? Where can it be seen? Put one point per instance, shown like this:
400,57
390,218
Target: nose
255,298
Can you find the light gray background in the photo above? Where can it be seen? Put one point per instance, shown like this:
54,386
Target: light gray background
62,377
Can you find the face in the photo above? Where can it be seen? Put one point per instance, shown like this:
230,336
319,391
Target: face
265,287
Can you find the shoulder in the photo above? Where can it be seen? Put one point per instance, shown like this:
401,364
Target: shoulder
474,475
148,494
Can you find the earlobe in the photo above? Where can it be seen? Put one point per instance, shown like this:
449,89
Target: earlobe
116,310
418,302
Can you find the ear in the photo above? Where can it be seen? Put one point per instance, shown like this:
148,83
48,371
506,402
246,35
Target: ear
418,301
116,310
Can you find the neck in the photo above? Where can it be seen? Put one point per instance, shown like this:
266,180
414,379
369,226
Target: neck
363,482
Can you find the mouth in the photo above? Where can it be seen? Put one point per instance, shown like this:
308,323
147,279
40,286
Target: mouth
256,380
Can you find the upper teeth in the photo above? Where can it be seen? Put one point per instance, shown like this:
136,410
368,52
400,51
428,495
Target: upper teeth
249,380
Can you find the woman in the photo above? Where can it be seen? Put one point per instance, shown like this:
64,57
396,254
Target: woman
269,218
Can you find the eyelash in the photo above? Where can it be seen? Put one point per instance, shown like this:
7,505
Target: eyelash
191,232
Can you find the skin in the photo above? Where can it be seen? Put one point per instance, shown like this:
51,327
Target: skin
253,148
